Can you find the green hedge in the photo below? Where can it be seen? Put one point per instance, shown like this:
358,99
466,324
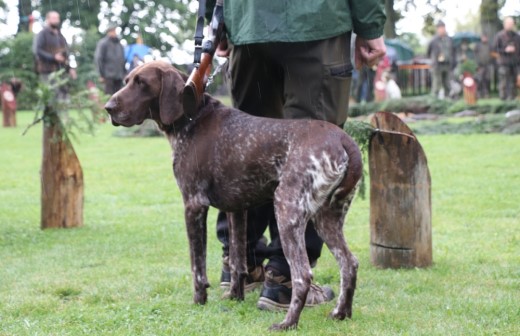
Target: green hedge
16,60
429,104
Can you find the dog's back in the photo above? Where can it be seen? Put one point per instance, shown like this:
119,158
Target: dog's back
240,159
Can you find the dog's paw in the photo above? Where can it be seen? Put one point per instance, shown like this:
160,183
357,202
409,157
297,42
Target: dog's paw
283,326
200,298
227,295
237,297
237,293
337,315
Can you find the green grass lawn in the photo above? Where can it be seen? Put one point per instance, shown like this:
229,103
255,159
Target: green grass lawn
126,272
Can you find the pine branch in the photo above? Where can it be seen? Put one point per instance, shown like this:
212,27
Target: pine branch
50,109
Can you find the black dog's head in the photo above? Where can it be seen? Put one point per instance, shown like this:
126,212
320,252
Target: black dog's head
152,91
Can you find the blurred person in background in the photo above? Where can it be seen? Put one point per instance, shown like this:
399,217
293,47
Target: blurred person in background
507,46
442,55
110,61
484,63
51,53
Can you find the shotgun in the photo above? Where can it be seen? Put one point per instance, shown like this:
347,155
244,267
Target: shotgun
203,57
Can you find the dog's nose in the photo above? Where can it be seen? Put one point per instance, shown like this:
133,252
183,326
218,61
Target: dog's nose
109,106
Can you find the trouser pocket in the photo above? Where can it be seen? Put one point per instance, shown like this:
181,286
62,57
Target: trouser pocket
336,92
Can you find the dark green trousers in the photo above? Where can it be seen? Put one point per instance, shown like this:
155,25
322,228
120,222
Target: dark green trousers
304,80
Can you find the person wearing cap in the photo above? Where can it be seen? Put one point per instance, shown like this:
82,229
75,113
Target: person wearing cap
110,61
442,55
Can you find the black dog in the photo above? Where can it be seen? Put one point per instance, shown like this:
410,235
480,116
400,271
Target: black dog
232,161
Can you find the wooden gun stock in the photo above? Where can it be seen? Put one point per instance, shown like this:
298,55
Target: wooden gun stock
195,85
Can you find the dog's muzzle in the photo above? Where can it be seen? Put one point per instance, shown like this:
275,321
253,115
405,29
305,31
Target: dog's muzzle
110,107
113,122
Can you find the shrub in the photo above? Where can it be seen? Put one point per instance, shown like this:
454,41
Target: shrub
16,60
429,104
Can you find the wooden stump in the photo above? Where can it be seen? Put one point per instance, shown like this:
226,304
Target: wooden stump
469,89
8,105
400,197
61,180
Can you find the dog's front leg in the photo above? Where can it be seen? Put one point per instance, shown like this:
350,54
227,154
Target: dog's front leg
237,253
195,216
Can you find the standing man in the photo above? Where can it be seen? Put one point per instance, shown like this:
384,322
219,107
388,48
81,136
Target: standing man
51,53
484,60
292,60
442,55
507,45
110,61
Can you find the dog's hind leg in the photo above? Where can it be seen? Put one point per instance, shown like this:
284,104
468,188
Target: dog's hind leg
237,253
329,224
195,217
291,225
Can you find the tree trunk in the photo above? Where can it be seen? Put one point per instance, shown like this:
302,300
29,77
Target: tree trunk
61,179
489,20
391,18
24,12
400,197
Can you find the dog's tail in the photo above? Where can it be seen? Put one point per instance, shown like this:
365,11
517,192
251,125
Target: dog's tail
354,171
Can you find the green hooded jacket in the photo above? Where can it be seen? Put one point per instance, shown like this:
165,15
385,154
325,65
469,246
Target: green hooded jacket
258,21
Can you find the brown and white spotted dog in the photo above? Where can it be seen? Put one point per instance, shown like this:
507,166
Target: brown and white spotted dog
230,160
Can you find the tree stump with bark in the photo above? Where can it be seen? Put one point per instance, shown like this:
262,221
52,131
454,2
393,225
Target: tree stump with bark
8,100
469,90
400,196
61,178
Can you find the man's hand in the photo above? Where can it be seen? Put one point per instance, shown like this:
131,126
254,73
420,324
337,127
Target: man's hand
369,52
223,49
510,49
59,58
101,79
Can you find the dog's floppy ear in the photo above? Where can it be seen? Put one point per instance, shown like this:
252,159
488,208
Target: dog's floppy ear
170,106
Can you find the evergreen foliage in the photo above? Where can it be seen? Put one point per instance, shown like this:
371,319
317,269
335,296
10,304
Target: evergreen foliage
78,113
362,133
16,60
429,104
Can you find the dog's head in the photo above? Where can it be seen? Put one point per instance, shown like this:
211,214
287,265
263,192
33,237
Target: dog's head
152,91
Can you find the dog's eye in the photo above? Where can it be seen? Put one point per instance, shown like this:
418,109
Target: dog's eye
139,81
